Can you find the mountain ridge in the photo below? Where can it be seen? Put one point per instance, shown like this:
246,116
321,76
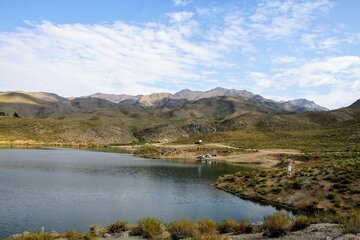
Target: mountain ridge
157,99
183,103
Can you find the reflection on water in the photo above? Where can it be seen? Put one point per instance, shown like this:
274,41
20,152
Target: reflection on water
64,189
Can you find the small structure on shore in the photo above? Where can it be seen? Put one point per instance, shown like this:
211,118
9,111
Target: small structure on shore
200,142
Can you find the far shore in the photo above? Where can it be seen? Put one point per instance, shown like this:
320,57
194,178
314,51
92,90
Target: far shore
258,158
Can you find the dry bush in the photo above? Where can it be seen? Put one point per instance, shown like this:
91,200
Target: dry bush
277,224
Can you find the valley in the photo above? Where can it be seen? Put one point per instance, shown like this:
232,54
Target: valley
243,129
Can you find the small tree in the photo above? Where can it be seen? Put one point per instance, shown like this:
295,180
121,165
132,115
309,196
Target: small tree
16,115
2,114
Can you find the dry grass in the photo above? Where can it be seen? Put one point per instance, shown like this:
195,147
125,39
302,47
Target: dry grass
226,226
150,227
350,223
181,229
277,224
117,227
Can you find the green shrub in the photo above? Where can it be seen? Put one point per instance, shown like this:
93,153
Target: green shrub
226,226
262,191
277,224
242,227
276,190
296,185
89,236
206,226
150,227
350,223
73,235
300,223
181,229
117,227
34,236
97,230
331,196
135,230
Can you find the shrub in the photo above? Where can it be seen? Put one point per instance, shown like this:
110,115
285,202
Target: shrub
331,196
206,226
135,230
73,235
117,227
296,185
277,224
242,227
300,223
226,226
276,190
212,236
150,227
350,223
89,236
181,229
34,236
97,230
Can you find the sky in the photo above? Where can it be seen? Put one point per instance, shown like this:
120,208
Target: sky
280,49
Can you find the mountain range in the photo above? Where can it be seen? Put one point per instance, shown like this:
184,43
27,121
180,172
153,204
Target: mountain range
106,118
187,95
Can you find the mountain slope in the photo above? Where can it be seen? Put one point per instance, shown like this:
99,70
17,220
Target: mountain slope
162,99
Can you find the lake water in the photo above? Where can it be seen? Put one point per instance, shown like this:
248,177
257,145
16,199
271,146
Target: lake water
63,189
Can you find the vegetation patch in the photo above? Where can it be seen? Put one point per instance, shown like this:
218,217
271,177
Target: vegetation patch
277,225
150,227
181,229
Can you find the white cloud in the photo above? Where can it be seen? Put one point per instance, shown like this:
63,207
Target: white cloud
274,19
183,16
285,60
257,75
181,2
336,98
340,75
323,42
261,79
271,21
333,70
79,59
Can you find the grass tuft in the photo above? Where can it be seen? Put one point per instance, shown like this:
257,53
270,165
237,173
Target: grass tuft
226,226
350,223
150,227
301,222
117,227
181,229
277,224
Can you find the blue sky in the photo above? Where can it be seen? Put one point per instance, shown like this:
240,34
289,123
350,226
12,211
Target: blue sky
281,49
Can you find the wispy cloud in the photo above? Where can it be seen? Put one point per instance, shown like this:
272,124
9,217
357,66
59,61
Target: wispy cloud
176,17
80,59
181,2
340,74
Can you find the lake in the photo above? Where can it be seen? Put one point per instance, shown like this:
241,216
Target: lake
64,189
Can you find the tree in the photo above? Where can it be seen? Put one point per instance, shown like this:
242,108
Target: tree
16,115
2,114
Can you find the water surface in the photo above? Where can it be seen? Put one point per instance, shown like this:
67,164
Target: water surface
63,189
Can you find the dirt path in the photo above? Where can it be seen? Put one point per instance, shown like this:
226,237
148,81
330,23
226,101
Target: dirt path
262,158
184,146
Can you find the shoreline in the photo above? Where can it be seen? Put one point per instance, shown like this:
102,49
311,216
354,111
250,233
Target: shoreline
152,228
